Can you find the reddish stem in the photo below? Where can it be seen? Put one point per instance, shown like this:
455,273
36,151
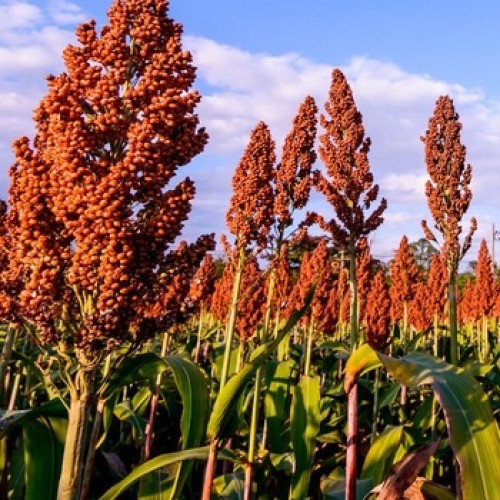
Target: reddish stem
210,471
352,442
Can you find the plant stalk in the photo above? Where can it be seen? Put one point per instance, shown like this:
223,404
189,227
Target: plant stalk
75,449
4,362
352,442
452,306
232,319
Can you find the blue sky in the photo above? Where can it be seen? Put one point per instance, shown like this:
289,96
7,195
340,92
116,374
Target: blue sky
258,60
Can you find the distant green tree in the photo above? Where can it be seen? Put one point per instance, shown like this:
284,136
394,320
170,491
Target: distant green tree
423,250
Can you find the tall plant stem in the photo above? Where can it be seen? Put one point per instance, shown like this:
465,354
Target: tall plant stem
232,318
212,458
352,396
404,390
352,442
75,448
405,326
252,437
452,309
4,362
309,342
486,346
196,356
376,388
94,438
210,471
353,284
153,407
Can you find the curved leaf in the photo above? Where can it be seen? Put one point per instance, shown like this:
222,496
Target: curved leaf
225,402
360,361
143,366
305,420
43,441
192,386
226,399
472,429
381,454
276,406
158,462
10,418
153,464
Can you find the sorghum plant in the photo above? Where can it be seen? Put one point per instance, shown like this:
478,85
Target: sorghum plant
404,276
249,219
448,197
377,314
92,216
484,294
364,271
419,316
348,187
200,295
292,183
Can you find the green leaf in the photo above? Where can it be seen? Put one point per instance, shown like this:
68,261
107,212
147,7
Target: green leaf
143,366
389,395
276,405
226,399
361,361
230,486
11,418
125,413
107,417
16,479
157,463
225,402
471,426
381,454
334,489
156,485
305,422
192,385
43,441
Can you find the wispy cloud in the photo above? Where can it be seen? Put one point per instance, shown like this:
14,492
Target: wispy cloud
241,88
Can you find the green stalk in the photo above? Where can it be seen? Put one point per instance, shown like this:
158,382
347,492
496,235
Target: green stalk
196,356
252,437
309,341
486,346
232,319
404,390
75,448
4,362
452,306
434,408
149,433
405,326
353,284
212,458
17,380
376,384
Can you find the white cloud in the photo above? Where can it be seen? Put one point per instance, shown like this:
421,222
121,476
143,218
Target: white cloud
405,188
15,15
241,88
63,12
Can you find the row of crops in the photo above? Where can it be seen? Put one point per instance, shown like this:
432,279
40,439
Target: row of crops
296,366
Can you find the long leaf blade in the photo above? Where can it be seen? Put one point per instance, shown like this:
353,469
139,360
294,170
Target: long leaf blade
472,429
192,386
305,420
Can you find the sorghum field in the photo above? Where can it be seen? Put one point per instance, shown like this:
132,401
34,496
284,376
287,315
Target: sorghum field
298,366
